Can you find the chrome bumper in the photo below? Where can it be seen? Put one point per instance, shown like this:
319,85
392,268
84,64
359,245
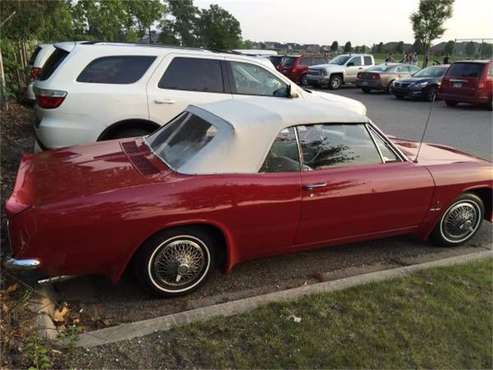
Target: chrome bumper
13,264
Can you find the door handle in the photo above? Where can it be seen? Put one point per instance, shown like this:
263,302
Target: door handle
164,101
314,186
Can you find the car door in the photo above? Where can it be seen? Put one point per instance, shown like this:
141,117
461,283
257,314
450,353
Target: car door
267,204
352,190
248,79
181,80
353,66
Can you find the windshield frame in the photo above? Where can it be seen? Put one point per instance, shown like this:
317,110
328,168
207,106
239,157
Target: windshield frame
344,57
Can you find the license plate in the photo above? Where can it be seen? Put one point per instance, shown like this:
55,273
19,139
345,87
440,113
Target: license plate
457,84
364,83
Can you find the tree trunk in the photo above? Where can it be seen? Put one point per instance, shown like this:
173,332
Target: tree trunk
3,93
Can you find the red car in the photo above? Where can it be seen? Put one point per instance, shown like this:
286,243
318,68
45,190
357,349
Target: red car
468,82
292,67
232,181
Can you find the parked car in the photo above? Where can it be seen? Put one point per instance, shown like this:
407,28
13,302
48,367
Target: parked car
276,61
381,77
424,84
468,82
98,91
230,181
339,71
36,62
293,68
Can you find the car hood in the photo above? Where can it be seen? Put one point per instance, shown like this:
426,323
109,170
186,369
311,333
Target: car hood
431,153
348,103
80,171
329,67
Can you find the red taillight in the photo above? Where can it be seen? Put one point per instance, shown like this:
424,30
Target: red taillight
49,99
35,71
375,76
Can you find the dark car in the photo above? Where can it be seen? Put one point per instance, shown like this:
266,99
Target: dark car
276,60
468,82
423,84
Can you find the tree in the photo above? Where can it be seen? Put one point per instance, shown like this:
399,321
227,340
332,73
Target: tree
348,47
449,47
380,48
364,48
428,22
399,47
486,50
183,29
470,49
334,47
144,13
218,29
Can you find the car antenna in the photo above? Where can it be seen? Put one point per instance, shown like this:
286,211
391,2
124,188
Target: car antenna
425,129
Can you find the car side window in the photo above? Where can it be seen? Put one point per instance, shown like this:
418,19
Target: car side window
250,79
123,69
335,145
193,74
284,154
400,69
368,61
413,69
388,154
356,61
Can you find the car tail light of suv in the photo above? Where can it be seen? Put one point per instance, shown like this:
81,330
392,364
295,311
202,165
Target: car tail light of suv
49,99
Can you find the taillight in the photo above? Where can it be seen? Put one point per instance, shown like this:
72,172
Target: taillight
376,76
49,99
35,71
359,75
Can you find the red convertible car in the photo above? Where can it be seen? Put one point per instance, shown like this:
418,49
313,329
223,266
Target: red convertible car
235,180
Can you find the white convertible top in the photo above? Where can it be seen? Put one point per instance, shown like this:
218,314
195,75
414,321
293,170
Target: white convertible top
246,129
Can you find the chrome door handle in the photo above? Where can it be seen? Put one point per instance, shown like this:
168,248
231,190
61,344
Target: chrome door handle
164,101
314,186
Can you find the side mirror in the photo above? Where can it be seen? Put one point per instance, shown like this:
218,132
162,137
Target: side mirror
291,93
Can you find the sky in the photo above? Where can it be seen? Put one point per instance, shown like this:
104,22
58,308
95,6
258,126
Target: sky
359,21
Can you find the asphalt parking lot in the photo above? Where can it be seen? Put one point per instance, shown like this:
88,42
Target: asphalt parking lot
466,127
101,304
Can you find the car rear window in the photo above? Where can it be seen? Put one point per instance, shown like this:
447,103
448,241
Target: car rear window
121,69
466,70
193,74
181,139
368,61
34,55
55,59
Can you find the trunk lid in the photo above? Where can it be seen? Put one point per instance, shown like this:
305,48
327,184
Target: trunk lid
79,171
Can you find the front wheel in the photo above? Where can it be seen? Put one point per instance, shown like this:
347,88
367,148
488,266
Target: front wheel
335,82
459,222
175,262
431,94
366,90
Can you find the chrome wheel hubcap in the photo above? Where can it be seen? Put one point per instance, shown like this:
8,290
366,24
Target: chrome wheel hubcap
460,221
179,263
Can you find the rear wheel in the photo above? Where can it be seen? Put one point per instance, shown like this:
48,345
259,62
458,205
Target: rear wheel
335,82
451,103
128,132
175,262
459,222
303,81
388,89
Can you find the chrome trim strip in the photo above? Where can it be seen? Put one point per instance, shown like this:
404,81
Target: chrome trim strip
300,152
375,143
13,264
396,150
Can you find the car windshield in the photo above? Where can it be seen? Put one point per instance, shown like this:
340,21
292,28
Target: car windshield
340,60
287,61
379,68
181,139
431,72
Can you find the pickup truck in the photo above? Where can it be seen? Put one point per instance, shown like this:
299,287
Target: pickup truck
341,70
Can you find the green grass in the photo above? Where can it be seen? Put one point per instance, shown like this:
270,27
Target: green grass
440,318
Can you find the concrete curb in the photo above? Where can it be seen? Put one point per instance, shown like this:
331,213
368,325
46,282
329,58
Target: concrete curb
43,306
163,323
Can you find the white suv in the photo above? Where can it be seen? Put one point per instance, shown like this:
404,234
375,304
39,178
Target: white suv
340,70
99,91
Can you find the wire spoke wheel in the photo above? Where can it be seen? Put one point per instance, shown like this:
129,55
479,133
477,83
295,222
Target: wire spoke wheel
179,264
460,221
